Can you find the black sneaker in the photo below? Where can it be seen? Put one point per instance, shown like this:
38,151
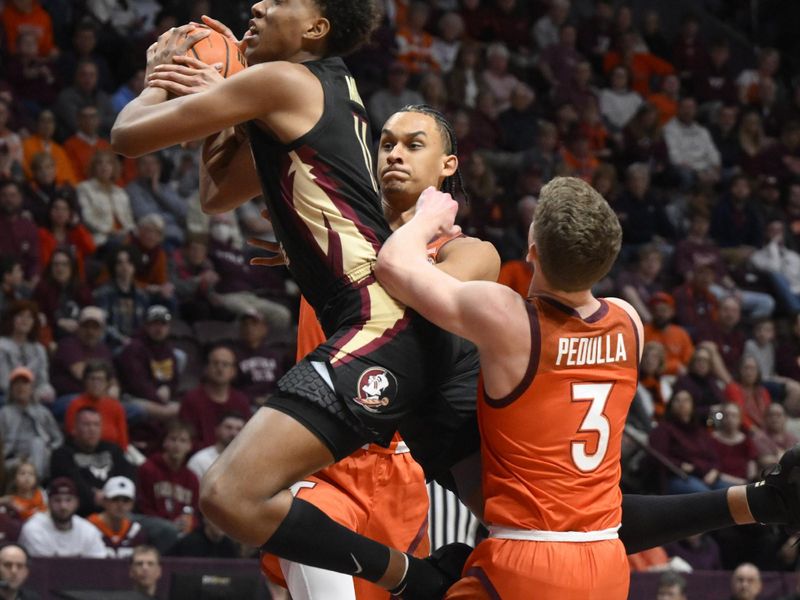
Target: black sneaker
784,479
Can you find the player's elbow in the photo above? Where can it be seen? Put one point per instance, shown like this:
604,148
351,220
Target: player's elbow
388,269
124,142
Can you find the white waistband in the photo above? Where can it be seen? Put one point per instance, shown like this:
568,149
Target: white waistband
402,448
534,535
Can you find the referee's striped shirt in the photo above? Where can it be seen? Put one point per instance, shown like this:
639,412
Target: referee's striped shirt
449,520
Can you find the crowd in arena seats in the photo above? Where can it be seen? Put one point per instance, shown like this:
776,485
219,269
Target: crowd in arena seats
135,337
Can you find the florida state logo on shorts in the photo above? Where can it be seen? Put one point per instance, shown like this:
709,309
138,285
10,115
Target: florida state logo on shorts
376,388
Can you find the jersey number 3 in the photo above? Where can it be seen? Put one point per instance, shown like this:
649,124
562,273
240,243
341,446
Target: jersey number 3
594,421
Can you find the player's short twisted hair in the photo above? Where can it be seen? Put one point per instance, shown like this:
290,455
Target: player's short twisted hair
455,183
352,23
577,235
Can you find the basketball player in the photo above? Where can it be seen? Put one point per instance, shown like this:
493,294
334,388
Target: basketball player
381,492
304,145
558,374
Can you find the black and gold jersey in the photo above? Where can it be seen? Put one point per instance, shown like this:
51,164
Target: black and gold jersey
322,195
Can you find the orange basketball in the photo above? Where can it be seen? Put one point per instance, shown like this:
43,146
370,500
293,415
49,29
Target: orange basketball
216,48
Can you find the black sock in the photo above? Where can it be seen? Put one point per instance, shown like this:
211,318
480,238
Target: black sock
309,536
650,521
766,505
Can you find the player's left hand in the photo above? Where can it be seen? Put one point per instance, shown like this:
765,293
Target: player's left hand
276,260
438,210
176,41
185,75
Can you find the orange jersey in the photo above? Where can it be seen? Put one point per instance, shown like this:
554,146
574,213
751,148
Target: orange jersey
551,449
27,507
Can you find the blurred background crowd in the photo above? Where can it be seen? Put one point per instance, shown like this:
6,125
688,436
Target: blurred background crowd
136,339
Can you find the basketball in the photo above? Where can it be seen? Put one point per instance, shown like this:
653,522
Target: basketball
216,48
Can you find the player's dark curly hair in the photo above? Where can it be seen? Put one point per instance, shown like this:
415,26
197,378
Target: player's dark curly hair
455,183
352,23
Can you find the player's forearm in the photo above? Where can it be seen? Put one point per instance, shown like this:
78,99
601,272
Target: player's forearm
404,253
123,133
227,174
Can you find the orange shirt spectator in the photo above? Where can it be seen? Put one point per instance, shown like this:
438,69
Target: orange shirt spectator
34,144
517,275
81,150
414,44
78,238
677,344
28,15
115,427
667,107
643,66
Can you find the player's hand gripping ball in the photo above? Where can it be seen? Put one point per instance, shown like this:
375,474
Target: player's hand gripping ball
219,49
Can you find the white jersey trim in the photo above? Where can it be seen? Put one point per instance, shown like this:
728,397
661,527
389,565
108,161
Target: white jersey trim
534,535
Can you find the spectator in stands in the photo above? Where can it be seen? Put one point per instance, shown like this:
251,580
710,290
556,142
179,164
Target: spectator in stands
788,355
725,134
701,383
701,552
227,428
577,90
11,157
42,141
414,43
388,100
643,141
22,16
235,290
28,429
496,77
773,439
618,103
33,78
595,33
123,303
206,541
671,586
148,368
167,488
64,231
558,61
148,196
753,142
714,83
746,582
204,406
762,348
736,452
691,149
42,189
25,498
105,206
18,234
19,332
769,62
89,461
781,264
12,281
97,378
74,352
725,336
260,363
84,47
151,273
653,37
689,53
14,571
60,294
748,393
132,87
483,120
666,99
546,29
120,534
194,278
464,79
641,65
682,437
86,141
782,160
652,390
84,92
641,214
674,338
447,44
697,249
145,570
60,532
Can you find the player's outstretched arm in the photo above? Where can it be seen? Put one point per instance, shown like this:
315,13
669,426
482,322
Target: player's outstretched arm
469,259
475,310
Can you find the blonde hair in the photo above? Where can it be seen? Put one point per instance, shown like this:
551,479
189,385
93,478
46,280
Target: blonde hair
577,235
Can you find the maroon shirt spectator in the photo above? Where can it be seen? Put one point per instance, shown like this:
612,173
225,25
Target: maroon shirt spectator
204,406
749,395
735,450
231,266
698,249
509,23
60,294
701,383
715,80
782,160
167,488
787,358
32,78
726,333
694,301
73,352
689,54
577,90
638,286
18,234
596,34
147,367
700,551
261,363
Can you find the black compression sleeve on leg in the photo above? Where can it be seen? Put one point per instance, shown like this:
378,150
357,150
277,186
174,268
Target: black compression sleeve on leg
309,536
650,521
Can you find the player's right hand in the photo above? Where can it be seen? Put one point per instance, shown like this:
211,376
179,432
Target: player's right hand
278,259
185,75
219,27
438,210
